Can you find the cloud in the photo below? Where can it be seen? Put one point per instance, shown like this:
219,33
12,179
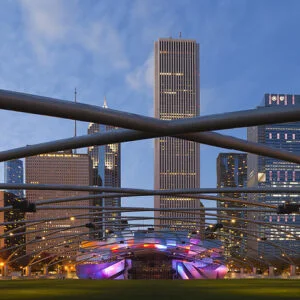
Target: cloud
141,78
45,22
46,19
102,38
53,26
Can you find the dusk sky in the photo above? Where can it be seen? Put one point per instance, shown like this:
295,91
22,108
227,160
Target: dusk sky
105,48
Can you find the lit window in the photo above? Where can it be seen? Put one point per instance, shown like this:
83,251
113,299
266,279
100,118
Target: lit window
270,175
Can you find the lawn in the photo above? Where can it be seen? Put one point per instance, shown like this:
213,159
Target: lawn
241,289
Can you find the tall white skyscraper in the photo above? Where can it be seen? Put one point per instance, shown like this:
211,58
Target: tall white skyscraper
176,96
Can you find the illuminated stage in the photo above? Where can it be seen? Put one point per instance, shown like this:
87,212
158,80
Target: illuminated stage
151,255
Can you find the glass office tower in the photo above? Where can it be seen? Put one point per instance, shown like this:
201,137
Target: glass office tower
232,172
13,173
270,172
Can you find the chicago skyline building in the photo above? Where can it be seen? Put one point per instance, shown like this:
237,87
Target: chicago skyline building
176,161
106,172
270,172
13,173
109,169
12,218
57,168
232,172
93,152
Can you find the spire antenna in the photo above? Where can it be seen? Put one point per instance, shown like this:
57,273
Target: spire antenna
105,102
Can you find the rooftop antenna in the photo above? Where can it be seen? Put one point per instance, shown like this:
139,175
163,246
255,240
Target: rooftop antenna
75,122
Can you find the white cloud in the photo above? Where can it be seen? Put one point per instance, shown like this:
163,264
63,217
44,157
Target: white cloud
47,19
101,37
45,22
52,24
141,78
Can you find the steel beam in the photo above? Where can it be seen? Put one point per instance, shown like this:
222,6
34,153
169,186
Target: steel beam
126,195
35,104
125,135
152,127
148,192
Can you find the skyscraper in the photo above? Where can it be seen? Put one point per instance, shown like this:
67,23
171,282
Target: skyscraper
176,96
11,217
271,172
232,172
106,172
13,173
109,170
93,152
57,168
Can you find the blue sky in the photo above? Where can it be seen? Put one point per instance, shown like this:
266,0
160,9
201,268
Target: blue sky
247,48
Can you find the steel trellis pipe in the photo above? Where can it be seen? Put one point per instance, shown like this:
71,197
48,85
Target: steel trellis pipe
83,112
124,135
148,192
37,104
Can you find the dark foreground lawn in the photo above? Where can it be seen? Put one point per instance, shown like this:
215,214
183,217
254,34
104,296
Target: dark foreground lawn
240,289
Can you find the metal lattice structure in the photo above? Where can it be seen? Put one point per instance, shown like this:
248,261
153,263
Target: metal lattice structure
134,127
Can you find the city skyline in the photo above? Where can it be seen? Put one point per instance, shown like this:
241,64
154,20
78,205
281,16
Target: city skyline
244,55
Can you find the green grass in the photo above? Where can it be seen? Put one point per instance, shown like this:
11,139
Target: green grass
240,289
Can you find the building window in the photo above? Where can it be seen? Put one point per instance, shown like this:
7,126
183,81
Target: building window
285,176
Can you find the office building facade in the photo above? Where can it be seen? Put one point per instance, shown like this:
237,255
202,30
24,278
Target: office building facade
57,168
93,153
13,173
232,172
109,169
14,237
176,161
106,172
273,242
